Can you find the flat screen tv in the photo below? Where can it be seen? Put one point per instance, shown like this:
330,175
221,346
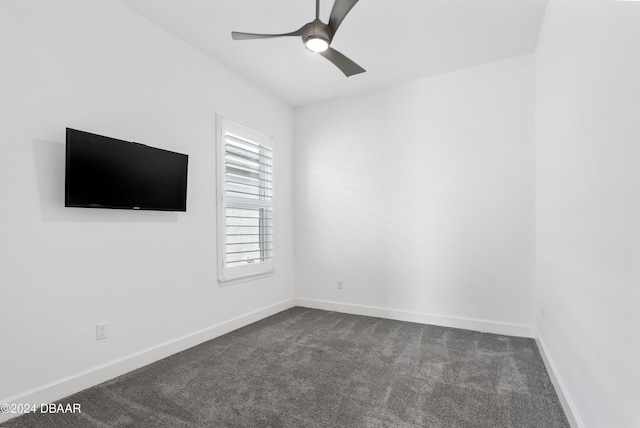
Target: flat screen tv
103,172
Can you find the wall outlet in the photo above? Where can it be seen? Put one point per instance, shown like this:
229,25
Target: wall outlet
102,331
340,284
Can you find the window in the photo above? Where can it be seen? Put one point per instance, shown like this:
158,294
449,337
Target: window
245,202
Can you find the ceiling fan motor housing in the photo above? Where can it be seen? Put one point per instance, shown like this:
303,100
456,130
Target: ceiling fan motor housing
320,30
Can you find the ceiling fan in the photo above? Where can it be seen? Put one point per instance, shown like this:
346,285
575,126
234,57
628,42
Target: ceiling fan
317,36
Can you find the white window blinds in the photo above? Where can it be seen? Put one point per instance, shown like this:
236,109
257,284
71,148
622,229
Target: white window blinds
246,201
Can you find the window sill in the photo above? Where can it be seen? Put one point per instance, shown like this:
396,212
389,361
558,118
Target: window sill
244,278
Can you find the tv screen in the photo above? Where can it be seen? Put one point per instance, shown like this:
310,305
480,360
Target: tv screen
103,172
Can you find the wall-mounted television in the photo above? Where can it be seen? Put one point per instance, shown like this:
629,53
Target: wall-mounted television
103,172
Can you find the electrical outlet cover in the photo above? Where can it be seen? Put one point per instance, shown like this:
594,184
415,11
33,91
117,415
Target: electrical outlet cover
102,331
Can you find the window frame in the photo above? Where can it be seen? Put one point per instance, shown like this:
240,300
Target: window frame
228,275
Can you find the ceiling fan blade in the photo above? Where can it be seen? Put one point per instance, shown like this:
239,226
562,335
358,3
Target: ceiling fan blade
305,30
348,67
340,9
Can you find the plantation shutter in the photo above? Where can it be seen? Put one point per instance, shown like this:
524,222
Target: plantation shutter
246,198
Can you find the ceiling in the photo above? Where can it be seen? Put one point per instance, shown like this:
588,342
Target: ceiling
395,41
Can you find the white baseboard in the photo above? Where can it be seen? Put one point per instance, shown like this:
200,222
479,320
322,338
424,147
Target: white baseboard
561,390
96,375
485,326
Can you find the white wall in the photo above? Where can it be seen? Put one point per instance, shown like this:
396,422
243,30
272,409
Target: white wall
588,205
99,67
420,197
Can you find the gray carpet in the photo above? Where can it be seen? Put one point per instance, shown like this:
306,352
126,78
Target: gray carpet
311,368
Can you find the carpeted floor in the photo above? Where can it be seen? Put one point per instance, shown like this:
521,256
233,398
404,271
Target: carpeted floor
311,368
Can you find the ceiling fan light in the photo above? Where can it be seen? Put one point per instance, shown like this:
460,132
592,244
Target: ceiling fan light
316,44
